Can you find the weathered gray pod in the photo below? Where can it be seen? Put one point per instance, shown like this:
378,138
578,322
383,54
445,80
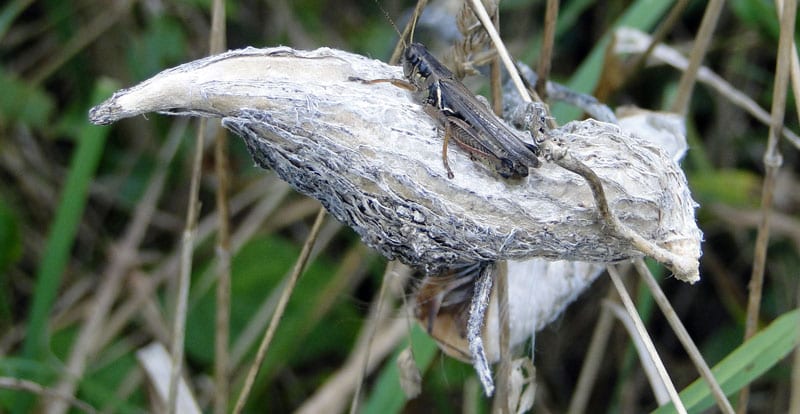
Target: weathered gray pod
372,156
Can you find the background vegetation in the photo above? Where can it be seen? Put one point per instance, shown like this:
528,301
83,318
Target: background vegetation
91,214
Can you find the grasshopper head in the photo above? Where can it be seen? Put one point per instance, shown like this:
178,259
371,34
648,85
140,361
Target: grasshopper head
415,64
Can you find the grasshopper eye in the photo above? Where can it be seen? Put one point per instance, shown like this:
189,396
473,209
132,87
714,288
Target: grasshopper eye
408,68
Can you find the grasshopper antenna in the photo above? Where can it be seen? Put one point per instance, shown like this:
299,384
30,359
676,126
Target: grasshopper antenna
408,31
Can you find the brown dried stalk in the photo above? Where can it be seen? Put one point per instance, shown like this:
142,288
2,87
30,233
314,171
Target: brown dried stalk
772,163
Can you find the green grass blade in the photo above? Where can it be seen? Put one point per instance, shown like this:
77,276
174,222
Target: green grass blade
745,363
90,142
64,227
387,396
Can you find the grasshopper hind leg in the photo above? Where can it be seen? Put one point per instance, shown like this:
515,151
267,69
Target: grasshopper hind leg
447,134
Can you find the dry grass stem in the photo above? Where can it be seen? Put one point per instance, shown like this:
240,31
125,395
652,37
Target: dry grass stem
121,257
223,294
300,265
486,21
794,399
503,397
703,39
375,321
594,358
772,162
648,364
10,383
658,36
634,41
259,320
185,270
683,336
546,55
496,76
334,395
646,340
407,32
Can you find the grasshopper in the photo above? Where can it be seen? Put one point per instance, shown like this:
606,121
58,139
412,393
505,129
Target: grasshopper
466,119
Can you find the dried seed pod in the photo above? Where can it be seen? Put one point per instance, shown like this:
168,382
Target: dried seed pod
371,155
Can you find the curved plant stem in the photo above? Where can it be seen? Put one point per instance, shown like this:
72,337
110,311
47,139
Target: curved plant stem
300,266
645,338
187,247
703,40
683,336
772,162
223,295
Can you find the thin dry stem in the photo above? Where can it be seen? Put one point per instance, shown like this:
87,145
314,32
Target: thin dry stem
495,80
772,162
689,77
223,295
683,336
546,55
351,271
261,317
372,331
645,357
486,21
32,387
120,259
794,400
300,266
673,58
334,394
646,340
217,40
187,248
401,43
503,397
594,358
659,35
277,190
